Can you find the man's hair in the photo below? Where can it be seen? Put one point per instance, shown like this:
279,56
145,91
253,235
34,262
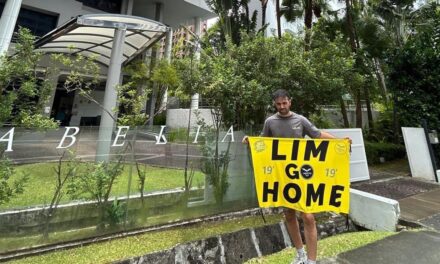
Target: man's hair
280,93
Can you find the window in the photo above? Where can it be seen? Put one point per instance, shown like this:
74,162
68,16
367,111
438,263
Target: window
38,23
110,6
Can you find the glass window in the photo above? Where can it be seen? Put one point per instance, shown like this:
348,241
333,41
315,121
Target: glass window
38,23
111,6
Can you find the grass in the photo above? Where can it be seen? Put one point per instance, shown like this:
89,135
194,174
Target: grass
159,240
396,166
149,242
328,247
41,185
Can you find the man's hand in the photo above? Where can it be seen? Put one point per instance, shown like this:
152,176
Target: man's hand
245,140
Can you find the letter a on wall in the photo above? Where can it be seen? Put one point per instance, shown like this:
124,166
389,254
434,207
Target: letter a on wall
308,175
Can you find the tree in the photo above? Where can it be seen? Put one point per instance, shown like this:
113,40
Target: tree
414,76
96,181
234,18
24,90
240,80
293,10
10,188
64,171
263,12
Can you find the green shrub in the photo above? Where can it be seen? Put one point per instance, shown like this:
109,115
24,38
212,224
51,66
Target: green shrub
177,135
160,119
389,151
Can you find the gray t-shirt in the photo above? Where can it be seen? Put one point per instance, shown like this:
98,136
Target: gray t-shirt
294,126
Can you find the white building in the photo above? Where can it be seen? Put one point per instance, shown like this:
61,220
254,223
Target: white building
43,16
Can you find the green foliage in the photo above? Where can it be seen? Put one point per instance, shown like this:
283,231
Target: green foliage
29,120
321,121
383,128
240,80
164,76
388,151
96,180
414,76
160,119
328,247
10,188
115,212
123,248
216,157
39,188
177,135
23,90
235,20
133,95
190,78
83,72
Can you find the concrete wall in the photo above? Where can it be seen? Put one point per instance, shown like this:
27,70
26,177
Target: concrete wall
178,118
373,212
84,107
335,116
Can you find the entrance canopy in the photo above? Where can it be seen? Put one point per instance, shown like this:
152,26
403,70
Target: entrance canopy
92,36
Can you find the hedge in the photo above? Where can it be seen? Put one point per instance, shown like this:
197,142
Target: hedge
389,151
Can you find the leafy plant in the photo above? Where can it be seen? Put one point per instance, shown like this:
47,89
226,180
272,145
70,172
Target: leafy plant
215,162
115,213
414,76
64,171
8,188
24,91
97,182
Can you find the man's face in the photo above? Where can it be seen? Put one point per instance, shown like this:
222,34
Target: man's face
282,104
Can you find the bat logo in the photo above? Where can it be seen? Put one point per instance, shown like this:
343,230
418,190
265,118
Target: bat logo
306,171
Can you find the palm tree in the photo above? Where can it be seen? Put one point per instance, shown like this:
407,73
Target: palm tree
293,10
263,12
234,16
278,14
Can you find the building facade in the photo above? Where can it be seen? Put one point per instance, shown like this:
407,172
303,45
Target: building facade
44,16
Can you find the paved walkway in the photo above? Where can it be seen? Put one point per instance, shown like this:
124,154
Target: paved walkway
419,202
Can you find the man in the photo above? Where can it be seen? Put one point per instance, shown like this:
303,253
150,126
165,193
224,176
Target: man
287,124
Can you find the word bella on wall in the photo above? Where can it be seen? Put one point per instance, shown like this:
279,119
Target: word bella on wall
69,137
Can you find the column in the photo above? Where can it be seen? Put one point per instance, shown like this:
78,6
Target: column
7,23
53,79
110,97
158,16
127,7
167,56
197,30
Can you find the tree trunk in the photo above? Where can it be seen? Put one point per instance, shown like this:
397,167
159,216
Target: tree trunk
344,113
152,105
308,20
350,26
358,108
263,12
381,79
248,24
278,17
396,129
369,111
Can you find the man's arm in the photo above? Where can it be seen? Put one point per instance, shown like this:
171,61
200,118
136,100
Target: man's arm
326,135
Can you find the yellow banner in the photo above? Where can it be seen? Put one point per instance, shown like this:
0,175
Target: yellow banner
309,175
